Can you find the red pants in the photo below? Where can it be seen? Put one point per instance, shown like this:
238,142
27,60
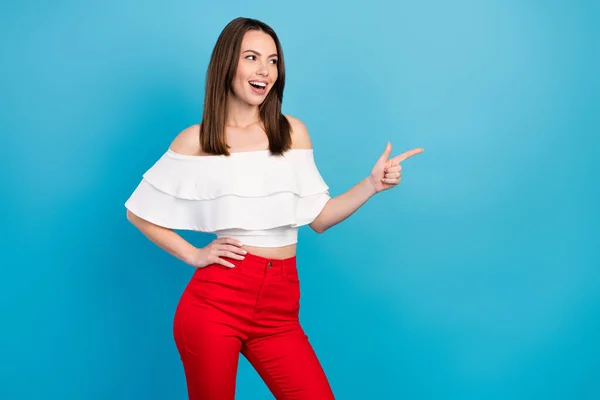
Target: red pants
250,309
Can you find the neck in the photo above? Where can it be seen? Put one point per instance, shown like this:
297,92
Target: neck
241,114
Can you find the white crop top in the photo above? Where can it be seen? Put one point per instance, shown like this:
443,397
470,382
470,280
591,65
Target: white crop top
255,197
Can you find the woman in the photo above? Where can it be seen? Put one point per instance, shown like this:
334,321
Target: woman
247,174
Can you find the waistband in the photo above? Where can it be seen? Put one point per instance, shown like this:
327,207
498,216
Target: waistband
254,263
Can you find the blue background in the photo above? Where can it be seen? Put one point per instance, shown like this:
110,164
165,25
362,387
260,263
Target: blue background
476,278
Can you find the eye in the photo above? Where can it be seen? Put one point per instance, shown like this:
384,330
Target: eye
274,60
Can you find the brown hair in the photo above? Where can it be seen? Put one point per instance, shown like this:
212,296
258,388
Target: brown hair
219,76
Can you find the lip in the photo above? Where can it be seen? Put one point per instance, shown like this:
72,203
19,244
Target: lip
259,80
260,92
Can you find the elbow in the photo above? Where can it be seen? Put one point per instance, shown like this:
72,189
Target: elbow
317,224
130,216
134,220
318,228
141,223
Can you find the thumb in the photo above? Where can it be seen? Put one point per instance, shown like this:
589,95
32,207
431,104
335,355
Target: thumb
386,153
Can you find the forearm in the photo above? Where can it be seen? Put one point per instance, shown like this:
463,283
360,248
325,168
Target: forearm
165,238
341,207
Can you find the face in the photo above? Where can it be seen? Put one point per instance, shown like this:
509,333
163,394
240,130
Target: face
257,67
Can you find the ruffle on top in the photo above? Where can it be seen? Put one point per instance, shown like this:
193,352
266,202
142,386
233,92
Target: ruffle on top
251,191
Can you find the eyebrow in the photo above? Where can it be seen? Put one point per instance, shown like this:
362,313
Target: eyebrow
257,53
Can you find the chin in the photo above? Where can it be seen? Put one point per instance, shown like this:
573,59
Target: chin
256,102
252,99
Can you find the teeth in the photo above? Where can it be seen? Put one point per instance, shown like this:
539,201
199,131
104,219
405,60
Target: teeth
259,83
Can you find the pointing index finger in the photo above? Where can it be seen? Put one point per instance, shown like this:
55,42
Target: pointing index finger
407,154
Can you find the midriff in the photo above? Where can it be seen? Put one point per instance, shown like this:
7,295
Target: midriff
276,253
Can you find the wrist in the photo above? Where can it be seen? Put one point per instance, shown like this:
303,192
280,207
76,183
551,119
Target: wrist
370,186
188,256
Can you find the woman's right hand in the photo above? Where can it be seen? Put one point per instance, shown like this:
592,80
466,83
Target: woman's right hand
221,247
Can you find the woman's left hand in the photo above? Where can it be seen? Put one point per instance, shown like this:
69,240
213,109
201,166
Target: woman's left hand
388,173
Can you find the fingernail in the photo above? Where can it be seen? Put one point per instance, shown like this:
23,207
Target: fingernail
244,251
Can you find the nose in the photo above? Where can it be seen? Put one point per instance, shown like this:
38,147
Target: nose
263,70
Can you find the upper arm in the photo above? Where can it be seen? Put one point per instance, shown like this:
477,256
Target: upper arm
187,141
300,136
301,140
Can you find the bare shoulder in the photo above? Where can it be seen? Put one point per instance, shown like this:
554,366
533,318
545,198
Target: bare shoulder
300,136
187,141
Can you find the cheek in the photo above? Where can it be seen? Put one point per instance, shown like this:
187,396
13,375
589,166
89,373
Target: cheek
240,73
239,81
274,76
243,70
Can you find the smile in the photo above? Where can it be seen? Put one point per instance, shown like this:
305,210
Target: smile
258,86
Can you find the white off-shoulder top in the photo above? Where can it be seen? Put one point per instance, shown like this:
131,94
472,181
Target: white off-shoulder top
255,197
